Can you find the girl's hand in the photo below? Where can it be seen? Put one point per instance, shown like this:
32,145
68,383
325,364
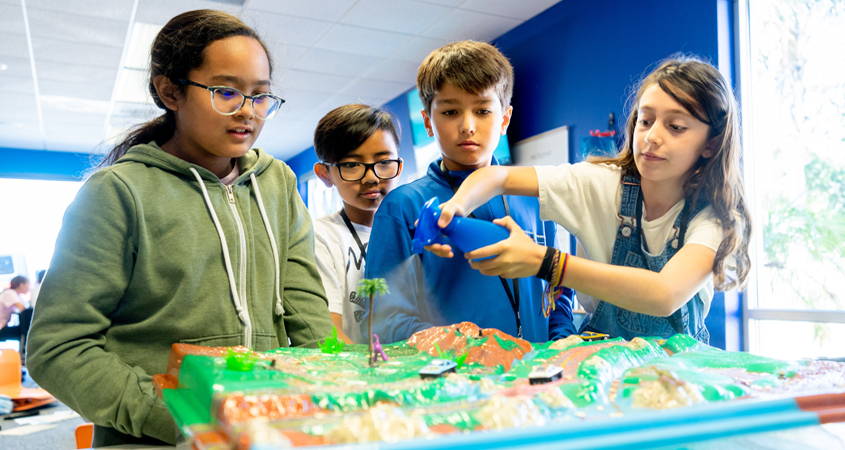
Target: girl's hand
516,257
448,210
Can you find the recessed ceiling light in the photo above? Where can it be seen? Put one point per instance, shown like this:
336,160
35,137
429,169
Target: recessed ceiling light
75,105
3,66
138,54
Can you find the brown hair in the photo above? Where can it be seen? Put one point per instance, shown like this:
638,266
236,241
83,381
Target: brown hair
701,90
18,281
345,128
178,49
468,65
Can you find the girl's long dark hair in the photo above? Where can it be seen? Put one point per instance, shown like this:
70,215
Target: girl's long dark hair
178,49
701,90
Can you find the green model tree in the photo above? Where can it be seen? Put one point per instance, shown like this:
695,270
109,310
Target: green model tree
371,288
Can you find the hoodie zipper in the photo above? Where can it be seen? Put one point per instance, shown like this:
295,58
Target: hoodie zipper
242,283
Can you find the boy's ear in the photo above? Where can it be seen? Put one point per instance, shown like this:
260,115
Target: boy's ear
506,120
710,150
168,92
323,174
427,123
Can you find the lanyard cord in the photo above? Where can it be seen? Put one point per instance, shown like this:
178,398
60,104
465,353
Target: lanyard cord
354,234
513,297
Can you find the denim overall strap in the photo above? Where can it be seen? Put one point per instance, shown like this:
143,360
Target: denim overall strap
689,318
629,251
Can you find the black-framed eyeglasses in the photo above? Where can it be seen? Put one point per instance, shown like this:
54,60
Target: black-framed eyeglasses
228,100
355,171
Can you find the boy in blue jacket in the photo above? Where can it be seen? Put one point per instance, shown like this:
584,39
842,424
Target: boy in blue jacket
465,88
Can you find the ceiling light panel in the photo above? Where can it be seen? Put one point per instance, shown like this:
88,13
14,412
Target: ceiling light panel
294,80
335,63
25,136
375,89
132,86
230,2
103,9
325,10
15,67
362,41
161,11
284,55
140,44
298,100
107,57
275,29
400,16
417,49
453,3
87,90
343,99
523,10
72,73
395,70
460,24
11,19
21,85
79,29
14,45
18,105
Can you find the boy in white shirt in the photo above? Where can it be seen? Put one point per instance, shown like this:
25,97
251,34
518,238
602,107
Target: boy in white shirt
357,146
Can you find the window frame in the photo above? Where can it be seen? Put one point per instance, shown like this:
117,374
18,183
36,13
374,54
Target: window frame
750,297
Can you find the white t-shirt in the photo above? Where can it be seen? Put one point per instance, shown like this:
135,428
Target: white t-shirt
341,267
585,198
8,299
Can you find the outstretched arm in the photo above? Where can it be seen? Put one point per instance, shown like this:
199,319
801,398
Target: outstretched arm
481,186
486,183
639,290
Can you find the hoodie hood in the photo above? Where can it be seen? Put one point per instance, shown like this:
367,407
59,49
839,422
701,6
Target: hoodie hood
254,162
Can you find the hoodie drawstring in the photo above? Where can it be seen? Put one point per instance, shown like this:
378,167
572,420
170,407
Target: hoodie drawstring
229,271
280,309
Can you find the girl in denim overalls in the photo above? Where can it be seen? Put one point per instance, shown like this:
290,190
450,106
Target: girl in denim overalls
658,226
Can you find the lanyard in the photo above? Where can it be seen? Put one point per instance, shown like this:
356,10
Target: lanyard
354,234
513,297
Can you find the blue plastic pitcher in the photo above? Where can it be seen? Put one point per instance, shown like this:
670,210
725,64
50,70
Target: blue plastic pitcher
466,233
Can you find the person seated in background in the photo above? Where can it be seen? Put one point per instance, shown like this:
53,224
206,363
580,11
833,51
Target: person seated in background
11,303
358,150
33,293
466,89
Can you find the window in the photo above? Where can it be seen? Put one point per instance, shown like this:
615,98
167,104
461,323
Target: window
793,100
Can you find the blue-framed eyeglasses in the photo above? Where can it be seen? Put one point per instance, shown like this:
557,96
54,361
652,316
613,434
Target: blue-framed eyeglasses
228,100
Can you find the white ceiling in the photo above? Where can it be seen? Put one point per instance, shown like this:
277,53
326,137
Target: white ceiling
64,60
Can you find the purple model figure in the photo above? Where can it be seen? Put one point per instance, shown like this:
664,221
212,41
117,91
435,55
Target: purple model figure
377,350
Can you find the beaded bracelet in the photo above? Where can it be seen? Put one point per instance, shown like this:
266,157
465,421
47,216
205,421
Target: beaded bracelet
545,272
554,288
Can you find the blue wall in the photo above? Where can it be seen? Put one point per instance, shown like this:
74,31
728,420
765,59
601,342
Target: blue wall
576,62
43,165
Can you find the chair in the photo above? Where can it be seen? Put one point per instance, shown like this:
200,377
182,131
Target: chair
10,368
84,435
